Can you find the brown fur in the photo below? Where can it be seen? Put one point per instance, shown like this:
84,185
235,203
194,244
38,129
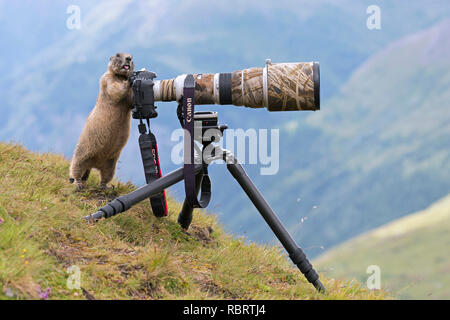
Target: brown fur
108,126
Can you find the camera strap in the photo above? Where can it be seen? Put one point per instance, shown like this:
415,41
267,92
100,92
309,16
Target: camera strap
189,165
142,87
152,170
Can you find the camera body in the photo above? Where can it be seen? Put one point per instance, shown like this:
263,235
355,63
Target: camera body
143,96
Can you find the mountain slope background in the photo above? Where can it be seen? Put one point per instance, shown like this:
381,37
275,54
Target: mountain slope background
380,148
412,253
364,159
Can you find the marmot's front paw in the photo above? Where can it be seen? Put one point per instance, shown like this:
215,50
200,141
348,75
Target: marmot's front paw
79,184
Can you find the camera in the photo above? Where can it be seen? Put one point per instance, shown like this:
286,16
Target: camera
143,97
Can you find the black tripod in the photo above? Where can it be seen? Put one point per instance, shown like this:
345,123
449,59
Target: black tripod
124,202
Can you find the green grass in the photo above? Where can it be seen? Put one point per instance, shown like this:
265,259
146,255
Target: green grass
133,255
412,253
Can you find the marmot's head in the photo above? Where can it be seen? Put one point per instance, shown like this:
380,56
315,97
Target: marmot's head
121,64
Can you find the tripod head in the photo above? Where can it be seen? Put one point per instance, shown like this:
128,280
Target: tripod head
207,128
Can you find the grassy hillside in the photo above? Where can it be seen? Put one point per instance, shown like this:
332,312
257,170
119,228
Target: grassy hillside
131,256
412,253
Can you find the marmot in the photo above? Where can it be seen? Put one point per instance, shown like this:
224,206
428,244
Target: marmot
107,127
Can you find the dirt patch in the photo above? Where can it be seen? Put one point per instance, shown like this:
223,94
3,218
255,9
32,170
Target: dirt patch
206,284
148,289
202,234
126,269
213,290
99,194
69,255
65,254
87,295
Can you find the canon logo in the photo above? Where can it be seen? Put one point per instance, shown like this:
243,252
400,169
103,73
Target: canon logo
155,157
189,110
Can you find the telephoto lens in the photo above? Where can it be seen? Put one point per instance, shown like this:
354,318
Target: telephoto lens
292,86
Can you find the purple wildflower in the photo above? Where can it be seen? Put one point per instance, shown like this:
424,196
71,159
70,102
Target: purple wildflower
44,294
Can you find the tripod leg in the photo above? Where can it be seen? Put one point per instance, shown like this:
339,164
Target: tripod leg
295,253
126,201
185,216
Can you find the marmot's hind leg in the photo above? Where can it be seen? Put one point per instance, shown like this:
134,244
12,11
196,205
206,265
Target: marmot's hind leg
78,171
85,176
107,172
